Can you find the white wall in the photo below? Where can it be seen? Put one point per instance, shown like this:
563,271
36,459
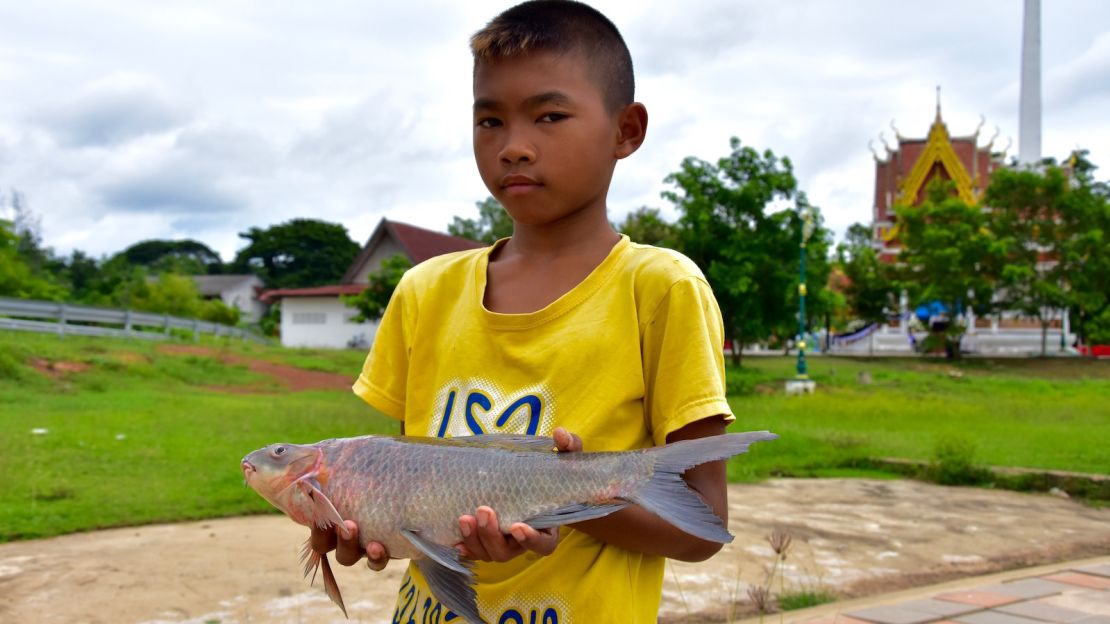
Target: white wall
321,322
243,297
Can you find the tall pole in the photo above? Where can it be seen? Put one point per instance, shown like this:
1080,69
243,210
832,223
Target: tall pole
807,231
1029,108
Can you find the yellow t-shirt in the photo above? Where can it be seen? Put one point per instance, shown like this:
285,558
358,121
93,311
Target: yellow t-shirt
629,355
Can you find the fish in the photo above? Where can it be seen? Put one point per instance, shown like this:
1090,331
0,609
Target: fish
408,493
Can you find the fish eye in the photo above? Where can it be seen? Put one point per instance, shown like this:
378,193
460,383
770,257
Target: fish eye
278,451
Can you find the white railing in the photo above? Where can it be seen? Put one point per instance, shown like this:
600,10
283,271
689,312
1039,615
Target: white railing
65,318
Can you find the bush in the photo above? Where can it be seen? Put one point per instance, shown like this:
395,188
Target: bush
953,463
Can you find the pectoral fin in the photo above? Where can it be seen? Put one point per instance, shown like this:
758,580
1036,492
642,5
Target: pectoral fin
324,513
447,576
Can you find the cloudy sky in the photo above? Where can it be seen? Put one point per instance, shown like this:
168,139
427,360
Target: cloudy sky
123,121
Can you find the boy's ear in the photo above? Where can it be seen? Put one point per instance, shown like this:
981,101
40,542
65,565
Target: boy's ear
632,123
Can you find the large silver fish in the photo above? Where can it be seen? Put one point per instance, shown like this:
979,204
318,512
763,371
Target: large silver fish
408,492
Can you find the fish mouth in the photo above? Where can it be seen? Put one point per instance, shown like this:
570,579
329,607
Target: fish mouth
248,470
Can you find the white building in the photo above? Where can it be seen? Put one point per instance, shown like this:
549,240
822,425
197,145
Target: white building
236,291
318,317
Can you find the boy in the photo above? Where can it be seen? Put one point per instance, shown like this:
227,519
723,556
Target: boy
566,325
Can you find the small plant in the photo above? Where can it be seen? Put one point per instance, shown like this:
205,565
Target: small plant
804,598
953,463
765,600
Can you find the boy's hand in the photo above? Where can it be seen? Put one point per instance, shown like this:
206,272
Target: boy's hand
347,551
483,539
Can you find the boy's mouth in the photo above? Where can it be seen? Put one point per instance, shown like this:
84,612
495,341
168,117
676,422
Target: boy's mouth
516,182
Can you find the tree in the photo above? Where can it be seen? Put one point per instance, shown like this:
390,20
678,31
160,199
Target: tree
748,255
17,279
1085,250
645,225
187,256
297,253
1028,223
948,256
371,302
493,223
868,288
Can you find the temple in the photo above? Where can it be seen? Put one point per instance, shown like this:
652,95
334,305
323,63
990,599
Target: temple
903,174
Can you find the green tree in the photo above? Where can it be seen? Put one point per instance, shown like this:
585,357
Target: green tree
297,253
948,255
493,223
869,290
749,255
187,256
1028,221
371,302
17,279
1085,250
645,225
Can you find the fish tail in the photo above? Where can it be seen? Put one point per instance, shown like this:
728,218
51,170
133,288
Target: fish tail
314,561
667,495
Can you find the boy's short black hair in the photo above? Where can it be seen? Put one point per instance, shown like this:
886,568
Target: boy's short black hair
561,26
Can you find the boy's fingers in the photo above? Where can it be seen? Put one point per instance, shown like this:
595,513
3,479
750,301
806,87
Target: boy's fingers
487,542
468,525
376,556
566,441
348,551
538,541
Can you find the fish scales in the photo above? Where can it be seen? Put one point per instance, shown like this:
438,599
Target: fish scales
385,484
408,493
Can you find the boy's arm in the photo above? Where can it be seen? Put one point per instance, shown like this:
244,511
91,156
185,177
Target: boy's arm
632,528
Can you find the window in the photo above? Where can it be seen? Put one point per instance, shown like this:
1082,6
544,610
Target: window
309,318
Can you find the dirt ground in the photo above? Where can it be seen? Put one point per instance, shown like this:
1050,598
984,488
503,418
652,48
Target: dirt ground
853,537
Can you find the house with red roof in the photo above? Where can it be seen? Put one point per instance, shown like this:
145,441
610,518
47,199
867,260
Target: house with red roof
318,317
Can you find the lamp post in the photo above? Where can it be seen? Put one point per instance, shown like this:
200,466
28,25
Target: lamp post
807,231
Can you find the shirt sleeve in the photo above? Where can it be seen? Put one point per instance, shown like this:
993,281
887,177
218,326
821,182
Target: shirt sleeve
683,357
384,377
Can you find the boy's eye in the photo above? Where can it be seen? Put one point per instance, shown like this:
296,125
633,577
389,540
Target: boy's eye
489,122
552,117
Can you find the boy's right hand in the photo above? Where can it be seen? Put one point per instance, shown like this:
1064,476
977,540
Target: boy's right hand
348,551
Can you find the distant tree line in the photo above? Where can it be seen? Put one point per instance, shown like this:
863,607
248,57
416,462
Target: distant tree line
157,275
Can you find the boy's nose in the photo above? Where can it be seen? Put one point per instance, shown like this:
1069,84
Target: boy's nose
517,150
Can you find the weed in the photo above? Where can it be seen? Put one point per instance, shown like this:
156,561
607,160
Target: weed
804,598
954,463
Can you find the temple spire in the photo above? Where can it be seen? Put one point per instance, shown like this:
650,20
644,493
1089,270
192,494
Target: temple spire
938,103
1029,110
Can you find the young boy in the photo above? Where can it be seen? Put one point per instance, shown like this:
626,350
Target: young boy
566,325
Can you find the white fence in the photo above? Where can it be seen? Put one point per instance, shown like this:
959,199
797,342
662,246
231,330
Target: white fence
64,318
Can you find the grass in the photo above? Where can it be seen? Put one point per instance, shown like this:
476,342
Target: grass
136,435
140,436
1045,414
804,598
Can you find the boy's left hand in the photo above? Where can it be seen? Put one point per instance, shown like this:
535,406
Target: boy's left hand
483,539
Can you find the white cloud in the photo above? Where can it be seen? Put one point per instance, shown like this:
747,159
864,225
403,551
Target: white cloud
126,120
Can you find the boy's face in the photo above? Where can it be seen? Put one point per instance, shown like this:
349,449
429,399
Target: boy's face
544,141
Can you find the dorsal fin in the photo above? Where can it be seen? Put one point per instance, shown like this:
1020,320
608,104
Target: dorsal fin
506,441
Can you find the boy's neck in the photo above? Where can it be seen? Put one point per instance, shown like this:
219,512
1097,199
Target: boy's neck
541,263
584,232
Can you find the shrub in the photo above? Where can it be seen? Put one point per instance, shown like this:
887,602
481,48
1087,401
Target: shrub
953,463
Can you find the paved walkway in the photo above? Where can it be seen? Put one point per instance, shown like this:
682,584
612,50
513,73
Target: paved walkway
1072,593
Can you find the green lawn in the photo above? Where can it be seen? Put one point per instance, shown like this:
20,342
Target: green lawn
137,435
1052,414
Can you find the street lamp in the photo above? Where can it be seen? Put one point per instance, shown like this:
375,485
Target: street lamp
807,231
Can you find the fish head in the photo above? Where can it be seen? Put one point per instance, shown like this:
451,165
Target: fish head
273,470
